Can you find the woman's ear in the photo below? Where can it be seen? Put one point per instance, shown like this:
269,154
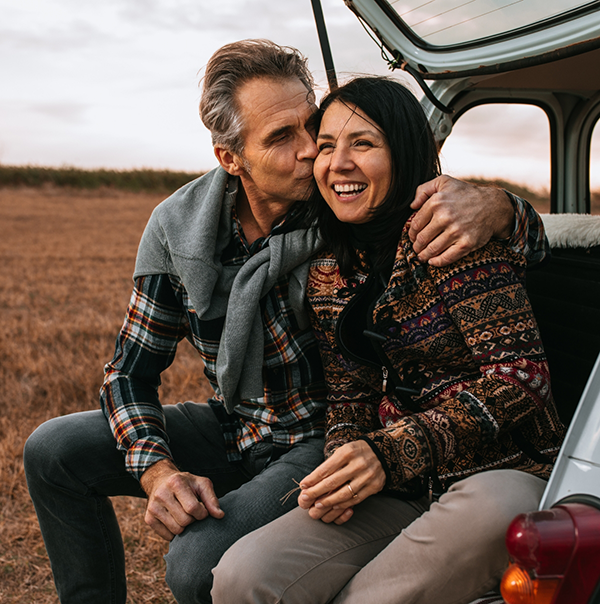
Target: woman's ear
230,162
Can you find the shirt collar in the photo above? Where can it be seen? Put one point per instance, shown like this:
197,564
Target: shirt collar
258,244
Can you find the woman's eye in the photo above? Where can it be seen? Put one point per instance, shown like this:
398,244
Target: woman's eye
363,143
325,147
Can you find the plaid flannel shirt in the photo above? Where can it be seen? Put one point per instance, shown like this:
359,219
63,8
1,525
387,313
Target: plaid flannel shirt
159,316
293,406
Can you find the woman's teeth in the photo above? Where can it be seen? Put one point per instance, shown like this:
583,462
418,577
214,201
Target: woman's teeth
349,189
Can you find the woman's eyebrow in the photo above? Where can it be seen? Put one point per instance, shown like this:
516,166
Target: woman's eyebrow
354,133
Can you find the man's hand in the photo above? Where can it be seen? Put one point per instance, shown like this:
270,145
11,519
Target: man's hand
454,218
176,499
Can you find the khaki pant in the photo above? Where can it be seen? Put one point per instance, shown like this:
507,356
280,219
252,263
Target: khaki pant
389,552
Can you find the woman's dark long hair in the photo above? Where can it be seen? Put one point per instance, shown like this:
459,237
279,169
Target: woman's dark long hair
398,114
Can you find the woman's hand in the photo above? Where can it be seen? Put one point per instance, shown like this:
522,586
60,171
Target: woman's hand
348,477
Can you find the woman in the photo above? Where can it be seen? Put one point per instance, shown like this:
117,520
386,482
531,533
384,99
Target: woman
441,424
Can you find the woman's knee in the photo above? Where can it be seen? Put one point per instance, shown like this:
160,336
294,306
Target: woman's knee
273,564
500,494
230,585
295,560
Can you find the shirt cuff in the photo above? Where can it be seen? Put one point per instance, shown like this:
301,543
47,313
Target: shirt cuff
144,453
519,212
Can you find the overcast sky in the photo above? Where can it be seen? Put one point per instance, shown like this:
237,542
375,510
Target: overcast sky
114,83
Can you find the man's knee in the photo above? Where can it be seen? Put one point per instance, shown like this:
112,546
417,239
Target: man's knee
48,443
66,451
189,570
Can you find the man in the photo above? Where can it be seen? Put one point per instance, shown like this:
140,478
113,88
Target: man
218,265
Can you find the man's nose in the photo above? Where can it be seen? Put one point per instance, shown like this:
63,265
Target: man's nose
308,147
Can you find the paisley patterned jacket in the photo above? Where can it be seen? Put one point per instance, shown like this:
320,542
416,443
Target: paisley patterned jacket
441,370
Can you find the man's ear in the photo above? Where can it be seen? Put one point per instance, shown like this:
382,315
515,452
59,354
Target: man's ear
230,162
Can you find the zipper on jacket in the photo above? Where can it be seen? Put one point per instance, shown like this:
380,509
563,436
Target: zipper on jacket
403,394
436,490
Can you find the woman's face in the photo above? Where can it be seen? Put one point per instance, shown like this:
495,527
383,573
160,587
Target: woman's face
354,167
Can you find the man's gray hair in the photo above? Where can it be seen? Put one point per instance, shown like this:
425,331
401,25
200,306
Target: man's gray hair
233,65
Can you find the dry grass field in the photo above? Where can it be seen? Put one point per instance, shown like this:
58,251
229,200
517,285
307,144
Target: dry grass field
66,259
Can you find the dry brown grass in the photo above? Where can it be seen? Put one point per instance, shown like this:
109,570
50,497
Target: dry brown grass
66,259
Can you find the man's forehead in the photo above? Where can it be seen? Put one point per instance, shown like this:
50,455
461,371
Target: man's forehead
268,104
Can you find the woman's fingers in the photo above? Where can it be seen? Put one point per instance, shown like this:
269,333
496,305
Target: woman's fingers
354,474
344,516
328,477
337,516
326,493
324,471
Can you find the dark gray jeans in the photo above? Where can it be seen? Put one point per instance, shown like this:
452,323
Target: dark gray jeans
72,467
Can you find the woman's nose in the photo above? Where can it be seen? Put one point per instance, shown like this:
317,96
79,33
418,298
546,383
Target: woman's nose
341,160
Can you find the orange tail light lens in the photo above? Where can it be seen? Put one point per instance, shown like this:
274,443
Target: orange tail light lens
518,587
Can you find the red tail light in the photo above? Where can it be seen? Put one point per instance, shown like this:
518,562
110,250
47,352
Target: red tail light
555,556
540,545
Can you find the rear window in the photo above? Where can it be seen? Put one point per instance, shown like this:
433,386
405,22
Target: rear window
503,143
459,22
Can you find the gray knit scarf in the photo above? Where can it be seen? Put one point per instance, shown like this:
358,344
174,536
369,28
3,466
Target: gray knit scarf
186,236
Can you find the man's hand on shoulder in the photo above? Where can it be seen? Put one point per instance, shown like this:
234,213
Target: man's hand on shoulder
176,499
454,218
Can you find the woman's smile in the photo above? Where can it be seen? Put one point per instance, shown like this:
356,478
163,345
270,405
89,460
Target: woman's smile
354,167
348,190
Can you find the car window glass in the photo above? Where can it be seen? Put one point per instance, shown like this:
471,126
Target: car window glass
504,143
595,171
450,22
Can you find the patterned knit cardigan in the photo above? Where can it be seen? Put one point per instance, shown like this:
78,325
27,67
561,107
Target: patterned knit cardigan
463,337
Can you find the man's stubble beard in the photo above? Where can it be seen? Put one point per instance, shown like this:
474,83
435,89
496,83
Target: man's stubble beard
309,189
